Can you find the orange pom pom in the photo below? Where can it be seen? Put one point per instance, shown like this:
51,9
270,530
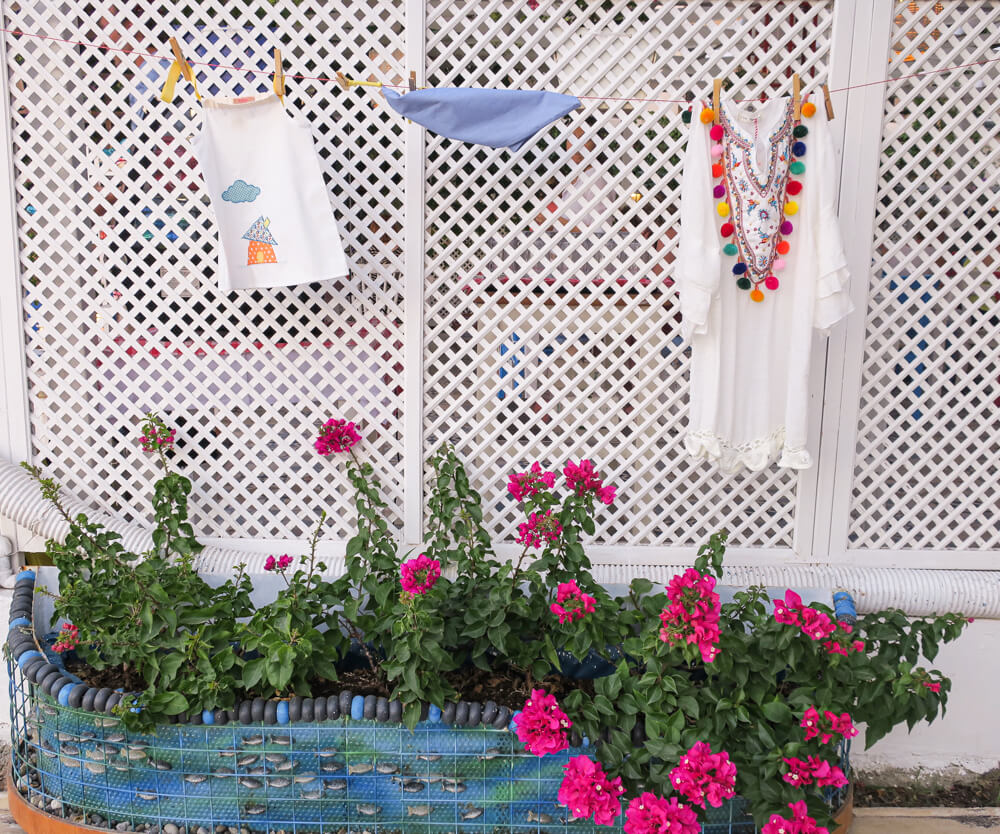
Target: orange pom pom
783,247
717,170
708,115
756,295
808,109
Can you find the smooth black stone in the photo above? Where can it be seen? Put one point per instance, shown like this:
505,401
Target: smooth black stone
257,710
101,698
222,717
425,710
382,709
448,713
502,719
56,684
246,707
112,702
271,712
307,709
44,671
489,712
33,666
475,714
344,703
462,713
295,708
395,711
173,719
575,739
321,706
88,699
182,718
233,714
76,696
48,680
368,711
333,708
196,718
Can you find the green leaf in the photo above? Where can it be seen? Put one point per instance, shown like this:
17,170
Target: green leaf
776,711
168,703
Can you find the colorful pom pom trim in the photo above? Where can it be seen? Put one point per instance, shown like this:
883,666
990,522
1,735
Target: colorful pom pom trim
790,208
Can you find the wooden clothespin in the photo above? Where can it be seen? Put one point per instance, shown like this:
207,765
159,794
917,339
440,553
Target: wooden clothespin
796,97
413,80
279,76
828,102
716,92
346,83
178,69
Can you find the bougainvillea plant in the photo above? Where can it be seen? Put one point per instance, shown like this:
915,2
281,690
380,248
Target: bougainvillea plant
702,698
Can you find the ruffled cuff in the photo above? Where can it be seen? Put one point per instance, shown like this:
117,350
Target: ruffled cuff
833,301
695,302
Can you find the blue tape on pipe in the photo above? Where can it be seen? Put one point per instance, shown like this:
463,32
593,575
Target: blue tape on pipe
281,714
843,605
26,574
358,707
25,658
19,621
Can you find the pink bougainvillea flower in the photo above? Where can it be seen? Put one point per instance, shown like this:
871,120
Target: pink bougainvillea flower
932,686
811,722
803,772
542,725
703,776
817,625
417,576
858,645
583,478
800,823
827,726
525,484
336,436
835,648
581,603
69,638
841,724
650,814
539,529
587,792
156,435
693,614
279,565
786,610
270,563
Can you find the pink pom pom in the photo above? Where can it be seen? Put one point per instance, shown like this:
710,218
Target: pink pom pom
716,133
779,263
771,282
716,151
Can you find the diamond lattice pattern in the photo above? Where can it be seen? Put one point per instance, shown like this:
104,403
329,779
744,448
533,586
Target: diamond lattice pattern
118,251
551,326
925,465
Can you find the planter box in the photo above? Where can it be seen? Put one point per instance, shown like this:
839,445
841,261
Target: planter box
305,765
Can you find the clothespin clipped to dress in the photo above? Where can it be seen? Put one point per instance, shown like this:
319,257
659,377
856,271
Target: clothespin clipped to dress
828,102
279,77
716,92
796,97
413,80
178,68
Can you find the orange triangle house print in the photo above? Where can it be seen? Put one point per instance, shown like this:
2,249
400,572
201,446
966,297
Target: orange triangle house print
260,249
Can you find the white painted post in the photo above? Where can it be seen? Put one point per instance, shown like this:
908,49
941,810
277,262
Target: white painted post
862,114
413,292
15,421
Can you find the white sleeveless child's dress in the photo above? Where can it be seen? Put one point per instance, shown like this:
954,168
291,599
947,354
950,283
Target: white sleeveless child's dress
276,226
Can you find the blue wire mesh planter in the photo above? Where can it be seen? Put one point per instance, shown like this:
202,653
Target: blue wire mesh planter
218,774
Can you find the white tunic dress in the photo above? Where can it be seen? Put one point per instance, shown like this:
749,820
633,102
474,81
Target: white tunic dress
749,390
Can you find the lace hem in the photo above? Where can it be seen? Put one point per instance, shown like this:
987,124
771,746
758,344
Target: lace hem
754,455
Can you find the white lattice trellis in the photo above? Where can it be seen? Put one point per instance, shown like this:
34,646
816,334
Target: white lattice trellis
519,304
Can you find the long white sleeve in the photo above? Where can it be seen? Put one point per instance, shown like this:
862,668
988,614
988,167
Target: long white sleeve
699,259
833,300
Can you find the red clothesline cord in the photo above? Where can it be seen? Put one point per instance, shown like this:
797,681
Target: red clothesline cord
324,78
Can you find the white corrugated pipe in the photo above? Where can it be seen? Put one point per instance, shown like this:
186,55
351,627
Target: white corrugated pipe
917,592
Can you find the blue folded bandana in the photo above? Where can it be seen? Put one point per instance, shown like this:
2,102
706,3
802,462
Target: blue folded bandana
496,118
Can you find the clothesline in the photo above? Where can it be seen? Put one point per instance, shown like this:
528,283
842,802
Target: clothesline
327,79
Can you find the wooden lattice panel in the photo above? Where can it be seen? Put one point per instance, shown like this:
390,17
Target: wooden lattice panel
551,321
118,251
925,470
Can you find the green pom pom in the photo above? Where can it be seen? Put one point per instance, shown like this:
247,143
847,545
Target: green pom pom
743,283
686,117
799,131
797,168
730,249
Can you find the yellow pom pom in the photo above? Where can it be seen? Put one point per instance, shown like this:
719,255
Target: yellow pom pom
808,109
723,209
791,207
708,115
756,295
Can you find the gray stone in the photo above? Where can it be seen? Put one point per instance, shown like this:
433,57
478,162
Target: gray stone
170,828
55,805
122,826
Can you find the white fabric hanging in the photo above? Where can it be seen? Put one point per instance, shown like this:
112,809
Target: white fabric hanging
749,386
276,226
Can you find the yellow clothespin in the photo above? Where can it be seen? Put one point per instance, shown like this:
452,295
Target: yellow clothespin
279,77
796,97
716,91
829,103
178,68
346,83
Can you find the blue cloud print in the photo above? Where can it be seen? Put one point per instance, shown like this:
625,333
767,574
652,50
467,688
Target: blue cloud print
241,192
